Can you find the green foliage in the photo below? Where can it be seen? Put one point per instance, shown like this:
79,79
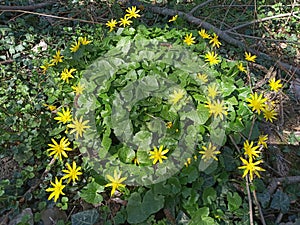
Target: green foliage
92,193
129,76
280,201
139,209
85,217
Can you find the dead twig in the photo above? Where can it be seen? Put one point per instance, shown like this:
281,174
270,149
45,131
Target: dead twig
27,7
261,215
249,201
222,35
199,6
235,145
6,62
262,20
277,181
52,16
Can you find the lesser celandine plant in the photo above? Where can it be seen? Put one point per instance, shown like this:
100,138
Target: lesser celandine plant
220,105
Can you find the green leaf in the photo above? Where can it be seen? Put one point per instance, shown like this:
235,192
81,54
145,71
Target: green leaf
203,113
143,157
138,211
173,185
126,154
280,201
56,131
264,198
209,195
201,217
227,87
232,101
236,125
91,193
87,217
234,201
143,139
182,218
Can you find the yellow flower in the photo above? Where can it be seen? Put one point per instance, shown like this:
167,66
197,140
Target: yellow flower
202,77
66,74
115,182
57,57
249,57
212,58
84,41
174,18
209,152
50,107
75,46
262,140
78,89
217,108
203,34
169,125
72,173
269,114
135,161
78,126
256,102
188,162
158,154
59,149
111,24
251,167
275,85
64,116
251,151
176,96
132,12
46,66
189,39
125,21
56,189
215,41
241,68
212,90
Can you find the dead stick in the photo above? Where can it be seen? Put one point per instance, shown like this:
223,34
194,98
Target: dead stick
276,181
262,219
52,16
27,7
249,201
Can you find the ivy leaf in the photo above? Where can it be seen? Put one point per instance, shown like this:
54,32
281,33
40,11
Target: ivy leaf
264,198
138,210
234,201
209,195
182,218
85,218
91,193
201,217
280,201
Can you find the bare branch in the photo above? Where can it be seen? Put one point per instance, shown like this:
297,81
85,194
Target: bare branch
263,19
277,181
52,16
27,7
199,6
